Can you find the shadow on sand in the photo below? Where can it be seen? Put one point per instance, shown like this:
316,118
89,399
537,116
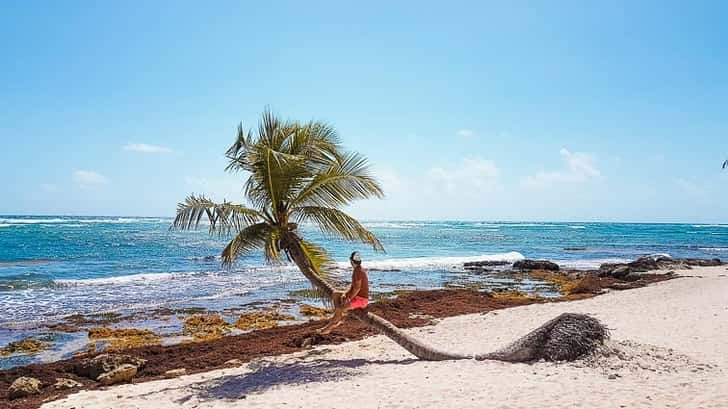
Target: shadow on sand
268,376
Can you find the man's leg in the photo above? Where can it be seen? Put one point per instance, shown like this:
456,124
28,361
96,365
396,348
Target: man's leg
336,320
339,314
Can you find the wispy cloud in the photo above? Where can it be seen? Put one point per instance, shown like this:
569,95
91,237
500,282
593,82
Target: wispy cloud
146,148
579,168
465,133
86,179
472,174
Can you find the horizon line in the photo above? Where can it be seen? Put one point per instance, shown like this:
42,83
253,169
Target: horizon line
367,220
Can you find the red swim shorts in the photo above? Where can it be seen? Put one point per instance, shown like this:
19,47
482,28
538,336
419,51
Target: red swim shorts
358,303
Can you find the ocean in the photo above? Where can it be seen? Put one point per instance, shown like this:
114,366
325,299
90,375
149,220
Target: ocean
51,267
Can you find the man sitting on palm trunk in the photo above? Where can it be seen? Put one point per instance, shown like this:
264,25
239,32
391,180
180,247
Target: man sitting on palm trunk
356,297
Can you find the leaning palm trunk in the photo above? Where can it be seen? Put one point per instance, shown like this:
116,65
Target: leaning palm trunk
564,338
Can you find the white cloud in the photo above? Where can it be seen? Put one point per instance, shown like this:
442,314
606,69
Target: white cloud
146,148
49,187
579,168
465,133
86,179
472,174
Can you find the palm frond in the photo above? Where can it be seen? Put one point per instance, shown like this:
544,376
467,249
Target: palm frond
318,142
346,181
275,176
249,239
222,217
322,264
243,141
337,223
272,247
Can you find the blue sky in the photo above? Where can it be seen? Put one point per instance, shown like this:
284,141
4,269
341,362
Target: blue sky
467,110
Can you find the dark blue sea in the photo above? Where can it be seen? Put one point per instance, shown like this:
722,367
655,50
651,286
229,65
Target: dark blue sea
51,267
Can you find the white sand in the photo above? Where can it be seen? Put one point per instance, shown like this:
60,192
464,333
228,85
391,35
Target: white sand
672,338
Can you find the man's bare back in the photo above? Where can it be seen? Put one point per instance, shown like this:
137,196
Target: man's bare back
359,275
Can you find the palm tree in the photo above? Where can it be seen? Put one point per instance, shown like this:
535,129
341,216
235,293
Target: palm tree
299,173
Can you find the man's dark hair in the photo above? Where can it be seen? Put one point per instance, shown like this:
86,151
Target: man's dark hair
351,258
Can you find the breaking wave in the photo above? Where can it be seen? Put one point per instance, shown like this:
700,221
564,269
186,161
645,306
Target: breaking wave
436,263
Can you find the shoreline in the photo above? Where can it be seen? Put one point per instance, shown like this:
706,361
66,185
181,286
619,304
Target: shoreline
408,310
65,337
666,351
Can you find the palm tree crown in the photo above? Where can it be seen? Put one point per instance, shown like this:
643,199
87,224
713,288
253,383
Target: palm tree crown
296,173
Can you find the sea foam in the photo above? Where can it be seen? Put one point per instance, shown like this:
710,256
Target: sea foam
436,263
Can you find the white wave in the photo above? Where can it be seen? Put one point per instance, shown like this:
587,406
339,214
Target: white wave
123,279
12,221
523,225
435,263
32,221
120,220
154,277
5,225
392,225
713,248
589,264
577,227
658,255
710,225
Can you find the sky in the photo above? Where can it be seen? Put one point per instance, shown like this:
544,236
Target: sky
534,110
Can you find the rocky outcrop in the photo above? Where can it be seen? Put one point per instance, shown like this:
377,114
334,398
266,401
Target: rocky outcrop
632,270
24,386
98,366
483,266
123,373
66,383
701,262
535,265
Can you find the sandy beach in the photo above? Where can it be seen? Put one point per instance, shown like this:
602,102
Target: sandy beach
668,349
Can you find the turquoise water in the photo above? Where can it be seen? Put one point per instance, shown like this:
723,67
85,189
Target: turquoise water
51,267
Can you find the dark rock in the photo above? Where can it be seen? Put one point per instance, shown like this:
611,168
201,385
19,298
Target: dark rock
535,265
650,263
629,271
480,267
470,264
616,271
703,262
93,368
632,276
